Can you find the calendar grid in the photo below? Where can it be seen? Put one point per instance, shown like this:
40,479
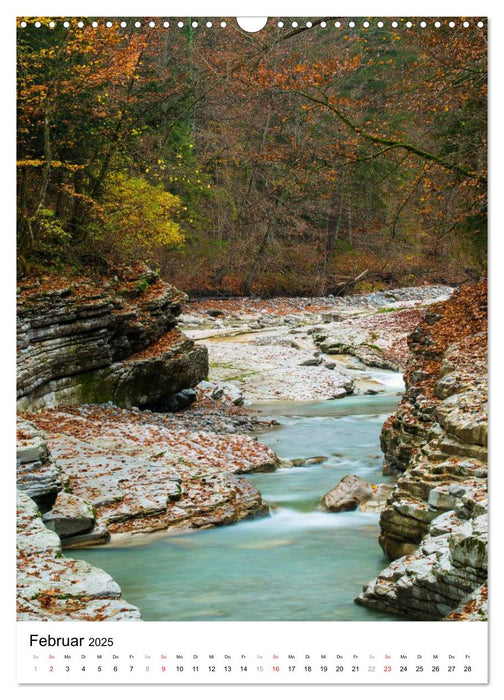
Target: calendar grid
266,653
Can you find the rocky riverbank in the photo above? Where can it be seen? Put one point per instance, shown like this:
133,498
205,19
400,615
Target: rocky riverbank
435,526
53,587
303,349
95,472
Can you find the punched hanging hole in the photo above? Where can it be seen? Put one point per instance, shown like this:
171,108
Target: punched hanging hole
252,24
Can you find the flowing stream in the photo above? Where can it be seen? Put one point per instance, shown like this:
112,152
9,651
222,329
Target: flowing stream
298,564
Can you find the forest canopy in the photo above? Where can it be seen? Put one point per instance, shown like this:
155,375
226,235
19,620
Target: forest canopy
290,161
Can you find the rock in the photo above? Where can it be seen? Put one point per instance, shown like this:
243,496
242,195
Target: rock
330,317
36,472
32,537
210,389
308,461
435,522
223,390
457,417
186,397
474,608
140,476
382,346
348,494
233,394
433,581
274,372
52,587
70,515
186,320
285,463
381,493
314,460
89,344
98,535
176,402
311,362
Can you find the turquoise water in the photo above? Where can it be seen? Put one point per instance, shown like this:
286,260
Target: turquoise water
298,564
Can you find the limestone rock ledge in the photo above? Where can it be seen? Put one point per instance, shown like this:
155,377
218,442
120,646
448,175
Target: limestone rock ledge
119,471
106,471
52,587
92,341
435,522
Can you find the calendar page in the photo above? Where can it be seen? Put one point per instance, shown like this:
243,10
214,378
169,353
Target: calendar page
251,349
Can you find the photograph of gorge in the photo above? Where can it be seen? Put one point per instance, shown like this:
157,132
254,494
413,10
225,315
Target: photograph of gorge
251,319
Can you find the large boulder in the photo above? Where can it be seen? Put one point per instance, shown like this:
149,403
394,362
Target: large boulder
348,494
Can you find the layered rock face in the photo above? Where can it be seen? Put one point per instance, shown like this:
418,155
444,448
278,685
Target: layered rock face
435,523
96,341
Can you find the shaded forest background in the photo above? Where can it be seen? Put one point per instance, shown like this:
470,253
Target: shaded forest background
303,160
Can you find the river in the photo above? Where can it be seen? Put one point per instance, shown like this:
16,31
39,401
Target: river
298,564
